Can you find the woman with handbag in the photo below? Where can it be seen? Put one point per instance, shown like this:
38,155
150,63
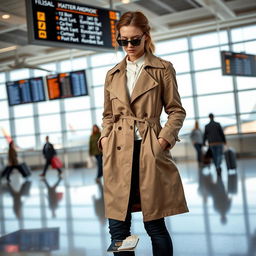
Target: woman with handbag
139,174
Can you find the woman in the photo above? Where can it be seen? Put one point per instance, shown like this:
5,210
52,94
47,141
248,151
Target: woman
94,150
138,171
196,137
12,160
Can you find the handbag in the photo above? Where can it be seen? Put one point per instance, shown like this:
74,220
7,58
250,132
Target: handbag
56,163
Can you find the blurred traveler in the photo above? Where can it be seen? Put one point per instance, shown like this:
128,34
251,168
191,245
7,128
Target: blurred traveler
139,174
13,162
49,152
216,139
94,150
196,137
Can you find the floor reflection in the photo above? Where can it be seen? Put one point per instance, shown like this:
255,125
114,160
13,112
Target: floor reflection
217,190
54,197
17,196
221,221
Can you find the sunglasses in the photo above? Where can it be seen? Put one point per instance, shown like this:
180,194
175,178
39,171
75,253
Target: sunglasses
134,42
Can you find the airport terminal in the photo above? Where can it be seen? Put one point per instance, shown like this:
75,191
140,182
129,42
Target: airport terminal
54,58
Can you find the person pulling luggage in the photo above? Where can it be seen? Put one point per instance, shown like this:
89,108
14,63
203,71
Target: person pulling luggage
13,162
49,152
216,139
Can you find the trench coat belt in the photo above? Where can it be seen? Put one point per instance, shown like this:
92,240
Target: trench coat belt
148,121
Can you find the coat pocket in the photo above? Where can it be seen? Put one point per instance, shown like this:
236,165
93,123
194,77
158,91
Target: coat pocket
158,148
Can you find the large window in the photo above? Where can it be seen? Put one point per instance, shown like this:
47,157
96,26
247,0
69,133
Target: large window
202,87
208,82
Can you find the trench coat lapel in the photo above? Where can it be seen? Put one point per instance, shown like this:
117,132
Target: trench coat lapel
118,84
144,83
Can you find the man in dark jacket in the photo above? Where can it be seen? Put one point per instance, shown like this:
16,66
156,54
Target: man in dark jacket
49,152
216,138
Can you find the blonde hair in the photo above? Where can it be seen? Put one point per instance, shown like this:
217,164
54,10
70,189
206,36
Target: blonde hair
137,19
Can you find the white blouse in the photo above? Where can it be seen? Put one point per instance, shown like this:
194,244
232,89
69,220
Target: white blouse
133,71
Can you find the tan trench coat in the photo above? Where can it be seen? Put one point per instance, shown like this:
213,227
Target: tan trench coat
161,189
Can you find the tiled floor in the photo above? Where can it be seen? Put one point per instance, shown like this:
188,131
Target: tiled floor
221,221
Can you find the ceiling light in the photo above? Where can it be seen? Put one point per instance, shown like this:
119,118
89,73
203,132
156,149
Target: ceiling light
6,16
7,49
126,1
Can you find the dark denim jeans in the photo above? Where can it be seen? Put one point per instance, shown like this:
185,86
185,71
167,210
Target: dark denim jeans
217,151
99,165
198,148
156,229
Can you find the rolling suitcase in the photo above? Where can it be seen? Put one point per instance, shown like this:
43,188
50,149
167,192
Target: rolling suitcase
24,170
230,157
207,157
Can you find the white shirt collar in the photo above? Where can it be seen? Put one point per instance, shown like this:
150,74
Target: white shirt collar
138,62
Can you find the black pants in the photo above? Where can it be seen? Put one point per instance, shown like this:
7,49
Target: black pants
99,165
47,163
198,148
10,169
156,229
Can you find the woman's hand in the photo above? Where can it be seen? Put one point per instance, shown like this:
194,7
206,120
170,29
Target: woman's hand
103,141
163,143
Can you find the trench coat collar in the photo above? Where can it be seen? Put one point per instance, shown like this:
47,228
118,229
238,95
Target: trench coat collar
144,83
150,61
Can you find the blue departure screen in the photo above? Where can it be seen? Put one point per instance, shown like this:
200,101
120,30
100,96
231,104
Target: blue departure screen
13,92
25,91
79,84
37,89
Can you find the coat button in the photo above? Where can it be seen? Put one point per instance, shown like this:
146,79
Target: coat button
118,148
146,115
131,127
119,128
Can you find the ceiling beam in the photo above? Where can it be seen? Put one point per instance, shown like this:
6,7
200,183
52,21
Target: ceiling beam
205,26
13,20
164,5
135,7
238,4
193,3
10,29
182,16
218,8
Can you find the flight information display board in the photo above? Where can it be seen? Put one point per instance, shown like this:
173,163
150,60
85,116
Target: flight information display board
53,86
25,91
66,85
78,81
238,64
37,89
73,25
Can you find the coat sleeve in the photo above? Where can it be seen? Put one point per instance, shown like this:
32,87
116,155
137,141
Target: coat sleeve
107,119
173,107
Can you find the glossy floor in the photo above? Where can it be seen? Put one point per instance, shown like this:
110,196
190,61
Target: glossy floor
221,221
